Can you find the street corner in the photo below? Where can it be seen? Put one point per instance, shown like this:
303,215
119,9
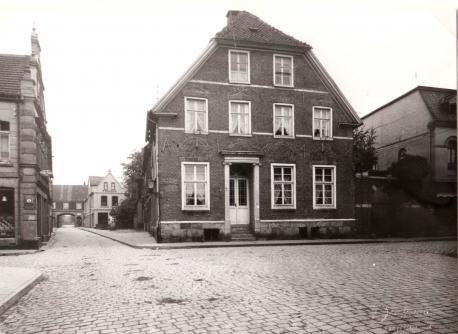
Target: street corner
14,283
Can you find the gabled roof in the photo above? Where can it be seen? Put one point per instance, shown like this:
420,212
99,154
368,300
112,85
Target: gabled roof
95,180
12,69
69,193
433,97
244,26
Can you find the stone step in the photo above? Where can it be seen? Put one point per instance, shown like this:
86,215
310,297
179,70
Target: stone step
240,228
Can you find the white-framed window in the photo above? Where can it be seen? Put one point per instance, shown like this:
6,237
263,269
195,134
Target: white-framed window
196,115
113,186
239,66
283,186
4,141
65,206
54,205
195,186
322,123
324,187
105,186
240,118
283,120
79,206
283,71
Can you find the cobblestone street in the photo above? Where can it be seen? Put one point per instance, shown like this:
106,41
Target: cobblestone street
95,285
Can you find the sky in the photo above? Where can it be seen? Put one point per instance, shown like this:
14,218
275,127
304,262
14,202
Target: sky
105,63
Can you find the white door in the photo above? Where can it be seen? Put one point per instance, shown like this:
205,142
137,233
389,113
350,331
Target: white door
239,200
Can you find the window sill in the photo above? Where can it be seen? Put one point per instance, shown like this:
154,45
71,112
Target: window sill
285,137
196,133
6,164
323,139
283,207
240,135
195,209
324,207
283,86
240,82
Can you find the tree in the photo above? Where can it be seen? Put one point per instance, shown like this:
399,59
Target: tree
364,154
132,170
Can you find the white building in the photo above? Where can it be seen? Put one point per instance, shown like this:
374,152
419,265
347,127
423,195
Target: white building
104,192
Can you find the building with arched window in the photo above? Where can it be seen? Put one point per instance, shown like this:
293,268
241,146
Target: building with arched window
420,122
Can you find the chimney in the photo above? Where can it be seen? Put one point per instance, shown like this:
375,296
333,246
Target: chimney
35,44
231,16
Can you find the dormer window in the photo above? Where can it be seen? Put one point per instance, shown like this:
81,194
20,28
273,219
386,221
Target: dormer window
283,71
239,66
196,115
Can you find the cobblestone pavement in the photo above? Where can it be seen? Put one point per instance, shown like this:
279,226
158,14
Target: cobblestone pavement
95,285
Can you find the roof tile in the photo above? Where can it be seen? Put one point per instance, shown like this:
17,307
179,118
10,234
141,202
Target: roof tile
12,68
244,26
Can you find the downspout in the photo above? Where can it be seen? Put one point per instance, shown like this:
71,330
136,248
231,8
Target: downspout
19,100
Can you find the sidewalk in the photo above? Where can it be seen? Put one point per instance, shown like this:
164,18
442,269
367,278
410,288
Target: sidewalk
140,239
15,283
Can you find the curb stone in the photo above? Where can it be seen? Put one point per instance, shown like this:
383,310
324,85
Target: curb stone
13,297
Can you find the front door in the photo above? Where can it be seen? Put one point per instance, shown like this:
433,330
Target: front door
239,200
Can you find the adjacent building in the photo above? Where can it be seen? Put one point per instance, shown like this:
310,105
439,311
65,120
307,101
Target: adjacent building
25,151
254,140
68,204
103,193
420,122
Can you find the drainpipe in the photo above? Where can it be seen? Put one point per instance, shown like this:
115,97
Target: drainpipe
19,100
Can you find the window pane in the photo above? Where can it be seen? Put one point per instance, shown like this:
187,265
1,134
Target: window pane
189,193
318,174
328,175
4,147
244,129
278,194
318,194
189,172
200,172
278,127
242,192
231,193
190,115
200,193
277,174
287,174
200,121
286,79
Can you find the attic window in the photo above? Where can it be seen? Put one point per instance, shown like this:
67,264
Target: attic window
253,29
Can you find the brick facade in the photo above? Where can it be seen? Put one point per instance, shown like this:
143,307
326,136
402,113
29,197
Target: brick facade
249,156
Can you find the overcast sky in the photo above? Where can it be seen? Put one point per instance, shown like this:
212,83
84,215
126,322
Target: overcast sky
105,62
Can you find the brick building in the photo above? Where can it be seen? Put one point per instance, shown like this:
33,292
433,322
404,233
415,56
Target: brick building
103,193
25,152
68,203
254,140
420,122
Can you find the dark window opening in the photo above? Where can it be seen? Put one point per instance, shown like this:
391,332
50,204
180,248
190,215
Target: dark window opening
314,232
303,232
114,201
104,201
211,234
